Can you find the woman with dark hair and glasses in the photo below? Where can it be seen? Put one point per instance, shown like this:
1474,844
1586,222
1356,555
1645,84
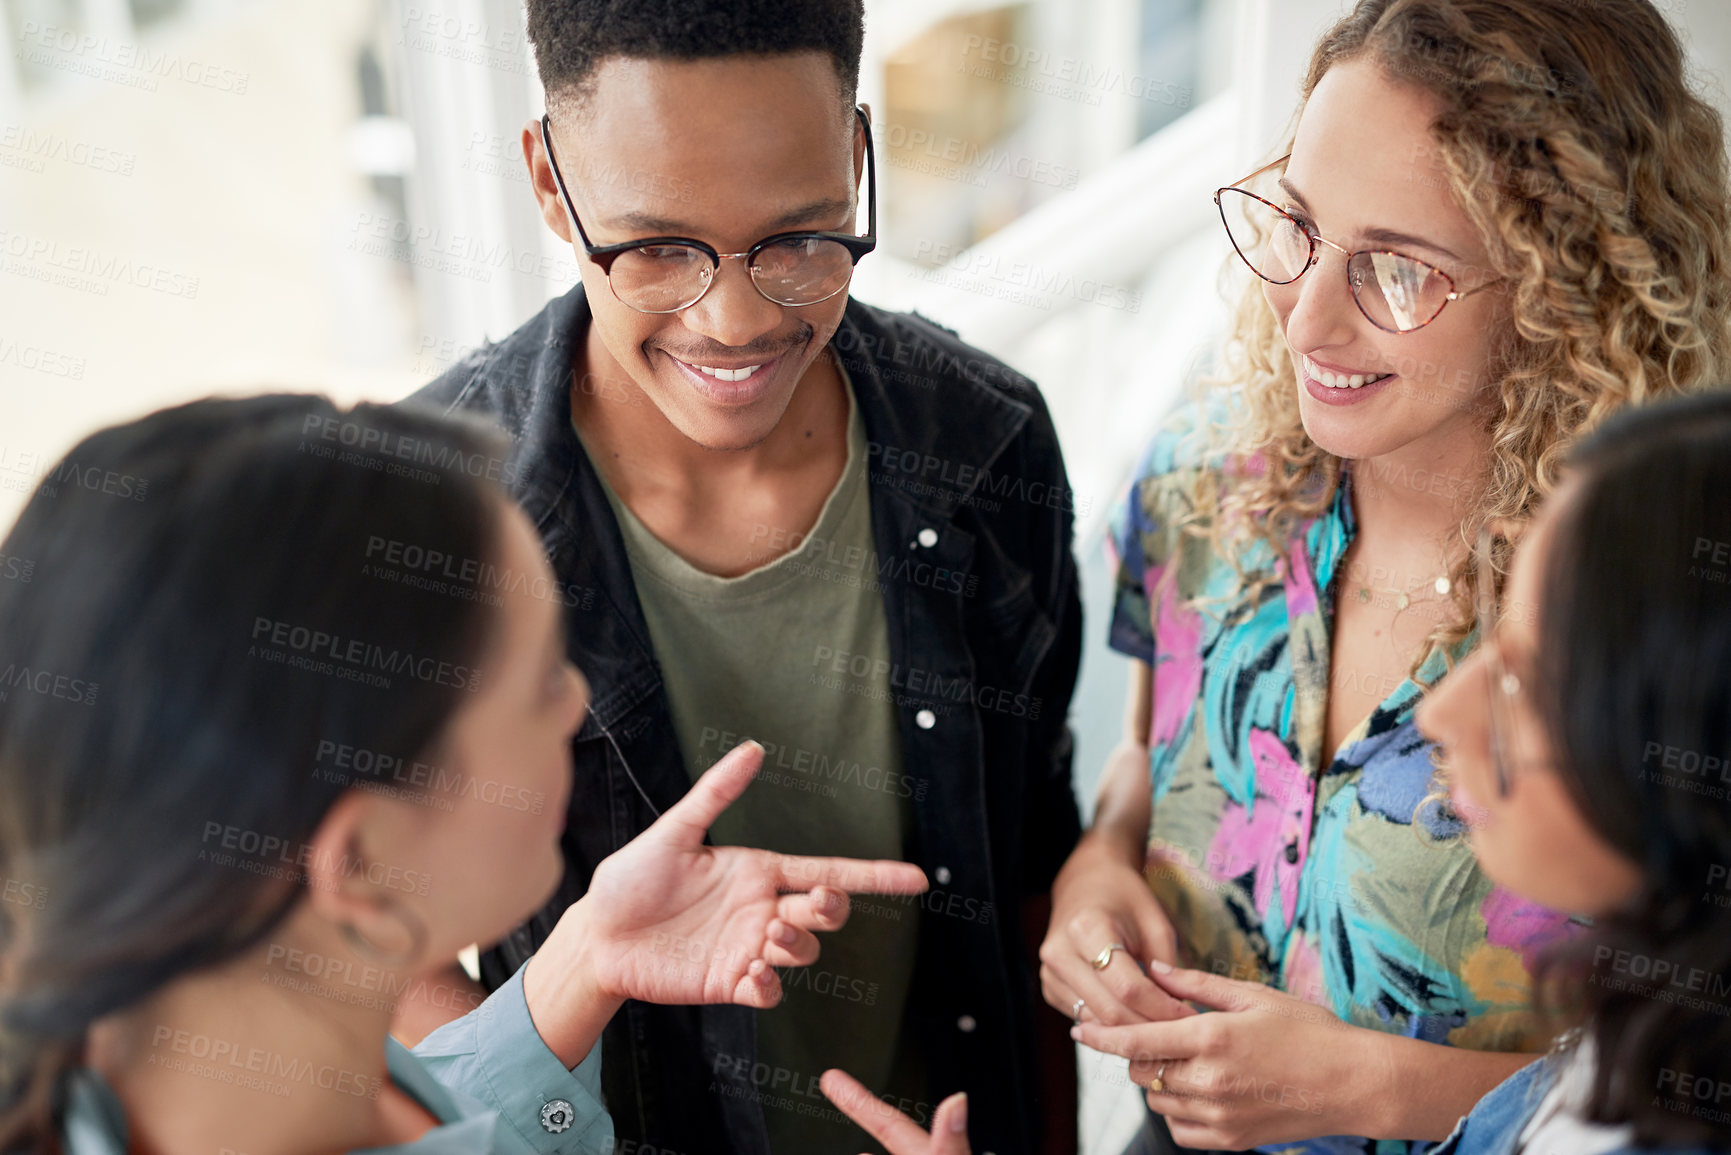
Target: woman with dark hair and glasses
1494,225
1586,745
285,723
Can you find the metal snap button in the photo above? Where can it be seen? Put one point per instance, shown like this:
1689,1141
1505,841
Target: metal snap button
557,1115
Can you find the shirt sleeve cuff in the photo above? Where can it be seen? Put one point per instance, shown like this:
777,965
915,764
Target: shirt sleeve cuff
519,1077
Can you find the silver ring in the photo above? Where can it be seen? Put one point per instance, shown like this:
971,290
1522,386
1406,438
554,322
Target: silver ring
1076,1009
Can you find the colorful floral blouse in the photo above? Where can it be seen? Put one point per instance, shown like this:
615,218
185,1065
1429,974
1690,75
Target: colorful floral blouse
1278,865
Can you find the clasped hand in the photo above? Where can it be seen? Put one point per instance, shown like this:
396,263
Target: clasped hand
1251,1072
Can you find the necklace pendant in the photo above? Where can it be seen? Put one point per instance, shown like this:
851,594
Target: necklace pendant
1401,601
1363,594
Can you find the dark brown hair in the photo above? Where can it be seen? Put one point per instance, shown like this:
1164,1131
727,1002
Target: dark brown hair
136,713
1634,686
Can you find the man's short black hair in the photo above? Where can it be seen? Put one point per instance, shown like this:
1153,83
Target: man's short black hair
572,37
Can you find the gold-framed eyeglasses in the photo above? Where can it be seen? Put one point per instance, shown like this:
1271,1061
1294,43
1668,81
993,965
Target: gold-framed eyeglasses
1395,292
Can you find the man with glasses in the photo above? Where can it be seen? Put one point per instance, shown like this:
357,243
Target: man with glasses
785,515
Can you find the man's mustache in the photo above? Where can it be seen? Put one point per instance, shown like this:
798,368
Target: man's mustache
761,352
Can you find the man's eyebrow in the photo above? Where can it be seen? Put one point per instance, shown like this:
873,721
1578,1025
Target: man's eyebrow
666,226
1377,236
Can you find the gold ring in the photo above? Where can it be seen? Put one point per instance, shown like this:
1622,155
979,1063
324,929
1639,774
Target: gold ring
1102,959
1158,1083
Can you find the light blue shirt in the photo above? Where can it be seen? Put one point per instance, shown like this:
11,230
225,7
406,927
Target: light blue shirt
487,1077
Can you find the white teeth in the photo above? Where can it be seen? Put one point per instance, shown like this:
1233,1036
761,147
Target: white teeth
1340,380
728,374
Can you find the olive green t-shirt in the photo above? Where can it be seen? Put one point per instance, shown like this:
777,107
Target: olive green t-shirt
743,657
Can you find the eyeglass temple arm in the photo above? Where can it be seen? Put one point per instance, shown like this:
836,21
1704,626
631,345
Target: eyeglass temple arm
559,179
1252,176
871,233
1457,294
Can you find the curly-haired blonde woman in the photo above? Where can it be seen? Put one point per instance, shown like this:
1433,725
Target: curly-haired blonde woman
1494,225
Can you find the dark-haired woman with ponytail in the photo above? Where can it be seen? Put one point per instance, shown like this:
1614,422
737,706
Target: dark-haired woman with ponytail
284,724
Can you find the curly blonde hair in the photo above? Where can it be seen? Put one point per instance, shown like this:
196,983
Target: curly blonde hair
1597,181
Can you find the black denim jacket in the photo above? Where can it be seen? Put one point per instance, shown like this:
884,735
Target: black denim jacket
972,519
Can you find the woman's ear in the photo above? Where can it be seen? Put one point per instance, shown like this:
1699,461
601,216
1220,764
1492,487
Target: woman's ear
353,884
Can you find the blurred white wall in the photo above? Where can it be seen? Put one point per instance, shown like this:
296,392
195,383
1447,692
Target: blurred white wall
175,206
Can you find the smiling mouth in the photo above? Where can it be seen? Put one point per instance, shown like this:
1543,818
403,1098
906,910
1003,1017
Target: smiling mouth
1341,380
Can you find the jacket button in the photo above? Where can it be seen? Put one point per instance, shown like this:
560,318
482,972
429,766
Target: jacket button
557,1115
966,1023
942,874
925,719
928,537
1292,852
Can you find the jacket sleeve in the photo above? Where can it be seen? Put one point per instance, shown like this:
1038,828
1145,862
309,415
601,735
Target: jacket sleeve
494,1054
1052,823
